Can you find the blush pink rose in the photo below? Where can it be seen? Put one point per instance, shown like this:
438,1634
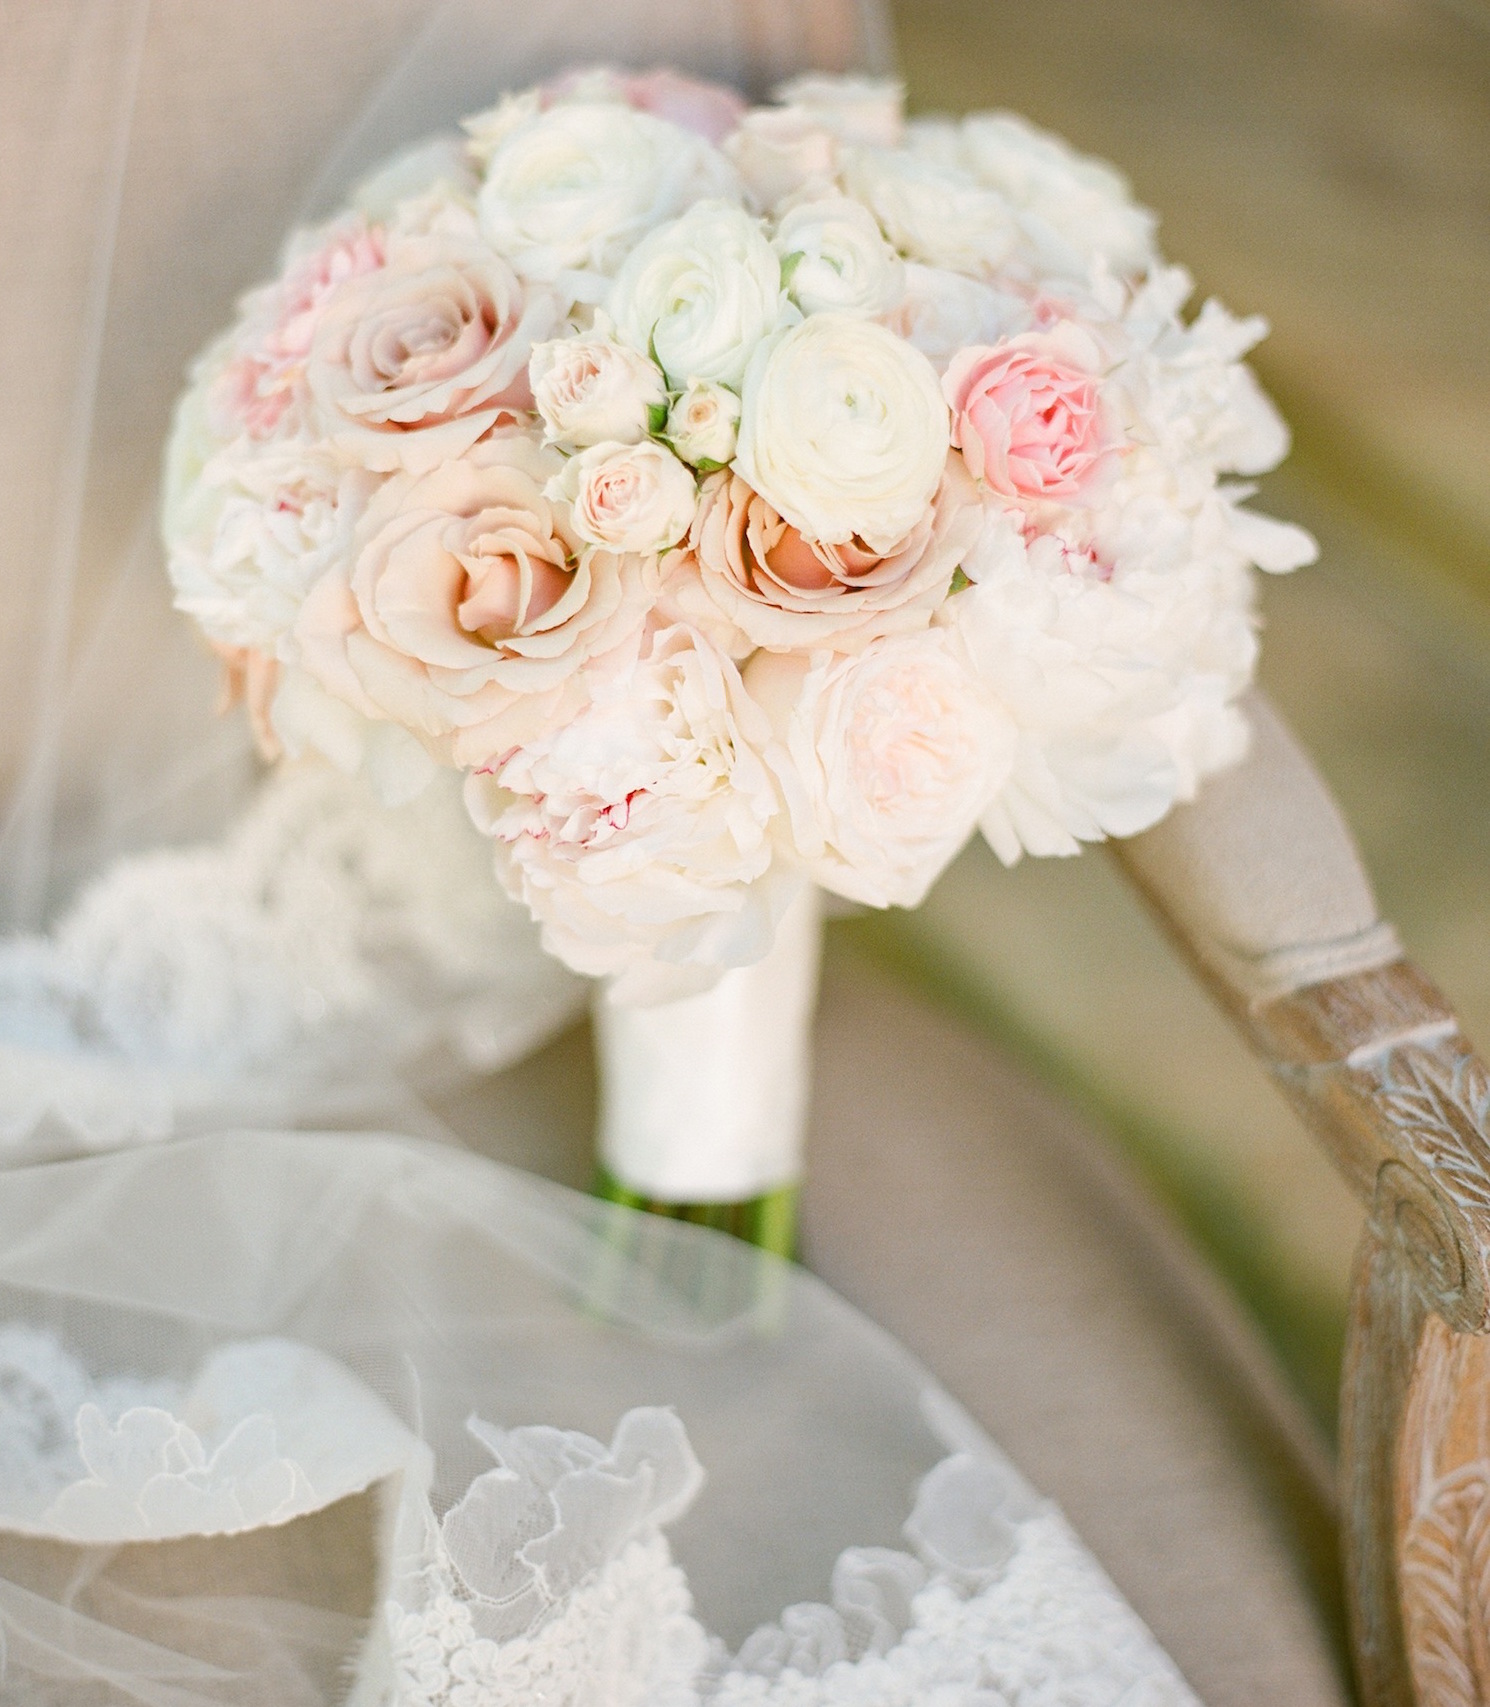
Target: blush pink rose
709,110
256,388
1027,414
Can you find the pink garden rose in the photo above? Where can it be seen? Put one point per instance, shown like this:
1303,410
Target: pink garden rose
1027,414
709,110
468,609
258,385
410,365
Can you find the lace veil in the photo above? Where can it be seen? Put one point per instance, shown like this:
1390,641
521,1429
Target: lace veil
182,943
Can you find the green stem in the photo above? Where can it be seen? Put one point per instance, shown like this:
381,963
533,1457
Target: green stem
769,1221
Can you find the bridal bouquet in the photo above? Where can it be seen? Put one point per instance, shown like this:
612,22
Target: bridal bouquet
741,498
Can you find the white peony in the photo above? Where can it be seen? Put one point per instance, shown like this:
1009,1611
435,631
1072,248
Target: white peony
703,424
627,497
887,759
939,214
855,109
589,389
640,835
833,257
942,312
569,192
701,293
843,431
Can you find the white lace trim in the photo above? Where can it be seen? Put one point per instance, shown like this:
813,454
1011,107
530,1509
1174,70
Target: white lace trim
326,937
550,1580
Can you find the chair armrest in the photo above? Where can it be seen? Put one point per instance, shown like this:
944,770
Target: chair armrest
1261,884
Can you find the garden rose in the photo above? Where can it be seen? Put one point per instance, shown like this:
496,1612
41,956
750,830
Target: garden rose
640,835
569,192
855,109
627,497
591,389
782,591
833,257
843,431
887,758
411,364
467,608
942,312
702,424
700,294
778,150
1027,414
709,110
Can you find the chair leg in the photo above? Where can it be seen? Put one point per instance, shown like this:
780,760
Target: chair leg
1416,1462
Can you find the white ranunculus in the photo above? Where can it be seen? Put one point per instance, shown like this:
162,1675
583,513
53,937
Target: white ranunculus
887,760
437,167
1072,210
569,192
640,832
856,109
833,257
942,312
627,497
701,293
843,431
703,424
933,213
590,389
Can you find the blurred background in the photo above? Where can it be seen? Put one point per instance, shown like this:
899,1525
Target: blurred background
1327,164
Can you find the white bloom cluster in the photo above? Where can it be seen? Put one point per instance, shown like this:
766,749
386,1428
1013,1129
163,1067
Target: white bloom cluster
739,497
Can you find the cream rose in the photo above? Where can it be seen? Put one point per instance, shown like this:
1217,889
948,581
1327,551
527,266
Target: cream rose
778,150
887,759
412,363
856,109
640,835
843,431
703,424
467,612
591,389
569,192
784,593
933,213
627,497
833,257
700,294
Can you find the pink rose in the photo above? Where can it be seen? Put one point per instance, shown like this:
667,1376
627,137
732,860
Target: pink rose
709,110
783,591
257,386
1027,414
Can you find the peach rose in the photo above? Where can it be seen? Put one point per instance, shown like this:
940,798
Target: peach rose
466,614
783,591
410,365
1027,414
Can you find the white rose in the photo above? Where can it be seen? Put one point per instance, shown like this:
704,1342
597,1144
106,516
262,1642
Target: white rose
627,497
590,389
856,109
938,214
701,293
941,312
843,431
887,759
1072,209
703,423
833,257
777,150
640,835
570,192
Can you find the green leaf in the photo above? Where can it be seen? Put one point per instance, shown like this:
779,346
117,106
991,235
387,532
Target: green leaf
707,465
789,266
959,581
656,417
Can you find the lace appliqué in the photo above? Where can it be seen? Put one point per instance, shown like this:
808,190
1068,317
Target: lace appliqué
326,937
